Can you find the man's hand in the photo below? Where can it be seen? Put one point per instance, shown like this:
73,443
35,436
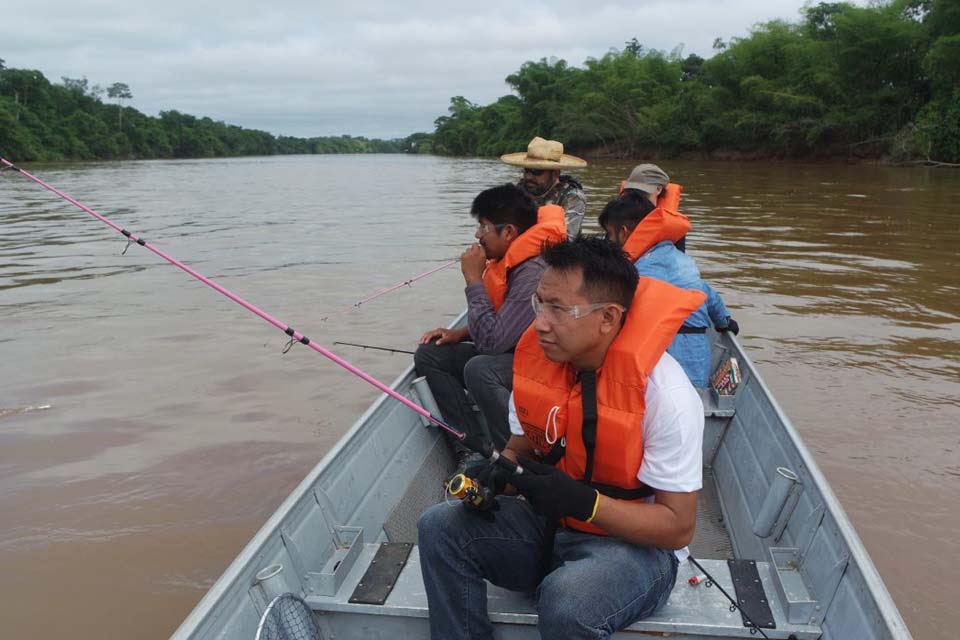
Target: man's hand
731,326
492,480
553,493
472,263
445,336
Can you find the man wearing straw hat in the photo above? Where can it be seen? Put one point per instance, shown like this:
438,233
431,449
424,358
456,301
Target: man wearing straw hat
542,163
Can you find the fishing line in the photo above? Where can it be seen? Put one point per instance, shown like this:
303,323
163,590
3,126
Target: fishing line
405,283
295,336
370,346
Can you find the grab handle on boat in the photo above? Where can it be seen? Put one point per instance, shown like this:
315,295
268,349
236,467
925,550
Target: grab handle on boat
272,582
784,483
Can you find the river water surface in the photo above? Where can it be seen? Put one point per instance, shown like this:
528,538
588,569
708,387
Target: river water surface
149,426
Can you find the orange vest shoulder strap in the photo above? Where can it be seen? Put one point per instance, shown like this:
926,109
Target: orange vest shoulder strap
670,198
658,310
551,227
658,225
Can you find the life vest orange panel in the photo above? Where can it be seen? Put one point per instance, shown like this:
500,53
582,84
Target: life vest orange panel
548,396
658,225
551,227
669,197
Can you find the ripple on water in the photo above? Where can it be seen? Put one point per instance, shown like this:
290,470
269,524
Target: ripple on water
177,422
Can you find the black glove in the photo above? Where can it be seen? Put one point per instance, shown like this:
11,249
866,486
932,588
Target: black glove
492,476
553,493
731,326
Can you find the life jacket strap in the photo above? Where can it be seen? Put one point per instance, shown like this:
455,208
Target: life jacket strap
588,431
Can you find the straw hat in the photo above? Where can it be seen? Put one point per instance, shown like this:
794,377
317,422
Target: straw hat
543,154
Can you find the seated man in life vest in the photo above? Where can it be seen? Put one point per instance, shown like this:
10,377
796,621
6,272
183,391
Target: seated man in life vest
542,163
501,272
651,182
617,431
647,235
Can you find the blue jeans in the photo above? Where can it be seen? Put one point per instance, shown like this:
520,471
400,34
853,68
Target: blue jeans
597,585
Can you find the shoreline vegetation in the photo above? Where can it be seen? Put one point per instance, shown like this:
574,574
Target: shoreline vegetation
875,83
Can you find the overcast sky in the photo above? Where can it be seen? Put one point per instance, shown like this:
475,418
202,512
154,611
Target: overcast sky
378,69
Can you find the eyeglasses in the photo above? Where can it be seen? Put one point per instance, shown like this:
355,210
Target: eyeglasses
559,314
485,227
535,172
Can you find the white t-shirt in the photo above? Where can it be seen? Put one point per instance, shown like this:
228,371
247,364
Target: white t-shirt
672,432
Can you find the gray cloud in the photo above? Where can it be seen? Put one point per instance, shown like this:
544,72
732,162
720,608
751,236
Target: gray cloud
374,69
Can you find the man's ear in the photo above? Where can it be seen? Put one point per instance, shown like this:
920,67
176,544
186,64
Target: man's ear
611,318
624,233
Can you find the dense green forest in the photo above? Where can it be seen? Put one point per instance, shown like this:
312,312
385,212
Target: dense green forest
844,81
40,120
849,81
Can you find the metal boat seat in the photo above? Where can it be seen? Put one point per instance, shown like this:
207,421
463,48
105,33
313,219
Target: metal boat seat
691,611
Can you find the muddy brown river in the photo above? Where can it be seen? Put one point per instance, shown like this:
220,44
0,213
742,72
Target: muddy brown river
149,426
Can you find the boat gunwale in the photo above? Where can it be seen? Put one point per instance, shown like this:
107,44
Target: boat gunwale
893,621
858,552
206,606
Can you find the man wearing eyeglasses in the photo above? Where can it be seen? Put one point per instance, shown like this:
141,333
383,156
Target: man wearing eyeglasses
609,433
542,163
501,271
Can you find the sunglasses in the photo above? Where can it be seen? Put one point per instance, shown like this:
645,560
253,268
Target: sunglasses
535,172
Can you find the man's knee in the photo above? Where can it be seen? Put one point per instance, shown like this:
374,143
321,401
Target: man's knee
477,372
486,371
562,613
425,357
434,523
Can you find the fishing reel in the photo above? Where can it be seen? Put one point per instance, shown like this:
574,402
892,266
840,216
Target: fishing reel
465,488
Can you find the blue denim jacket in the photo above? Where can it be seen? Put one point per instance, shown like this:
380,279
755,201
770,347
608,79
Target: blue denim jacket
665,262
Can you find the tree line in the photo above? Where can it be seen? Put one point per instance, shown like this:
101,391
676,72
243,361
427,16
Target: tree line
881,80
40,120
875,81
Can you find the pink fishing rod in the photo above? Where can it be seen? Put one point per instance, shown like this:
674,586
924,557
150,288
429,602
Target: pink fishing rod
405,283
294,335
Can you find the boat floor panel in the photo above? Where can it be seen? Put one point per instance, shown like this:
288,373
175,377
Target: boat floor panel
711,539
695,611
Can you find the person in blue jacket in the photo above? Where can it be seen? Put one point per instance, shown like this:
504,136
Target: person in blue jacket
656,256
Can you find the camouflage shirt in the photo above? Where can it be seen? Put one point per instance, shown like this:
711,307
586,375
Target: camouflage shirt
568,193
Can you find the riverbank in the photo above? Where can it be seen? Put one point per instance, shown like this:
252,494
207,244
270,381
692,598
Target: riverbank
728,155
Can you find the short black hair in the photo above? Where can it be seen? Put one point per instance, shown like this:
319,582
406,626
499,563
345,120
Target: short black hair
608,274
627,211
506,204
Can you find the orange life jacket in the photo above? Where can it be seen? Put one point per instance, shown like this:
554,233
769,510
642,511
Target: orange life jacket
658,225
549,402
669,197
551,227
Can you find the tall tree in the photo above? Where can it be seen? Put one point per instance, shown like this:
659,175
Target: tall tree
119,91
